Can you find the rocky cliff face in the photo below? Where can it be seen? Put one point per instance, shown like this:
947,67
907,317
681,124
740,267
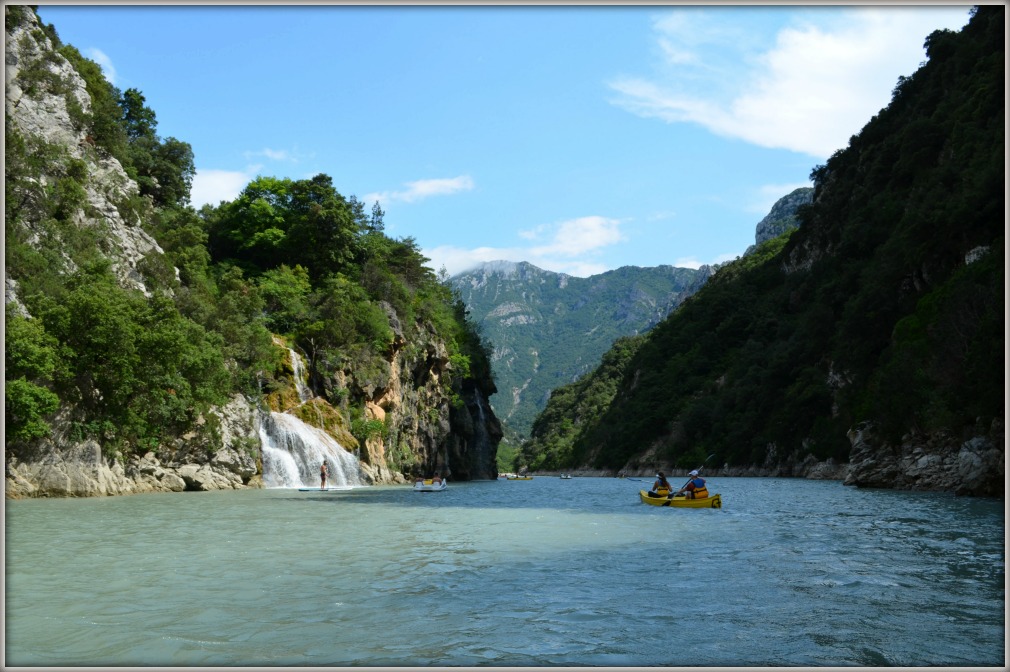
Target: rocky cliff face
425,425
782,216
40,113
935,461
418,423
223,456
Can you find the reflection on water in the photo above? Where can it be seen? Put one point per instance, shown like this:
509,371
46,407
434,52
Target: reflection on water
516,573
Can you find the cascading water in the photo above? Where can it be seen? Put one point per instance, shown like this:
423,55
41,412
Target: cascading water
298,368
293,450
481,438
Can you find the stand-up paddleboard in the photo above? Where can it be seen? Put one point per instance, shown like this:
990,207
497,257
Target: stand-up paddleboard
326,489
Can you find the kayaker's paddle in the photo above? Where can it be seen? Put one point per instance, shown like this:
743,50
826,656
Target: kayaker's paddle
671,495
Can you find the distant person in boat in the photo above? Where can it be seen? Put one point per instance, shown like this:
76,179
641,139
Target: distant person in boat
323,471
661,488
695,488
436,479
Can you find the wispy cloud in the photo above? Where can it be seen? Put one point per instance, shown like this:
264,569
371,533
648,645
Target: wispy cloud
272,154
568,247
575,237
809,92
104,62
421,189
693,262
213,186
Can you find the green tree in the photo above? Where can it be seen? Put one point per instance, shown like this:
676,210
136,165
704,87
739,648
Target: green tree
285,292
138,119
31,358
323,231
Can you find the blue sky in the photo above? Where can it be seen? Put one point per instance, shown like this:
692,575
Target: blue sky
578,138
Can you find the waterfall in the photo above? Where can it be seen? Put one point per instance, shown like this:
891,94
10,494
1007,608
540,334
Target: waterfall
481,440
293,450
298,368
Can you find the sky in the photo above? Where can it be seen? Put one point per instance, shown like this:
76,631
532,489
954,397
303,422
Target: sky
577,138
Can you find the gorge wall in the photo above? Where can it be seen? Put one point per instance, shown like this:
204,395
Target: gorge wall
419,413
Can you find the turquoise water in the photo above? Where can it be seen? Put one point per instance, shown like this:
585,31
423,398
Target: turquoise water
508,573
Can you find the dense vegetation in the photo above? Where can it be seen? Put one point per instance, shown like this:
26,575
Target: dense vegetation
287,257
548,329
886,305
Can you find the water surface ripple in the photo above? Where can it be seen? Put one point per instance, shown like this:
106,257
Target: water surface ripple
508,573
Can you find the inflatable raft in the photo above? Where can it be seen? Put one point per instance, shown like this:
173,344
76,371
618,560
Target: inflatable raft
711,502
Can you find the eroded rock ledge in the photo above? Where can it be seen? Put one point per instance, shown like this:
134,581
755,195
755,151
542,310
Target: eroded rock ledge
62,467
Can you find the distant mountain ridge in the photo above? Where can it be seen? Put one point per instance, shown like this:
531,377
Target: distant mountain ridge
549,328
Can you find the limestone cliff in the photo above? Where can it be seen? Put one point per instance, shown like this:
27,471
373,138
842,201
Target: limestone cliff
41,113
419,414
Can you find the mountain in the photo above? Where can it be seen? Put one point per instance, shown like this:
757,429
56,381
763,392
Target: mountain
547,328
872,336
147,344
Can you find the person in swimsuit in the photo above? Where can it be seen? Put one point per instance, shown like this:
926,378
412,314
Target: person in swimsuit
323,471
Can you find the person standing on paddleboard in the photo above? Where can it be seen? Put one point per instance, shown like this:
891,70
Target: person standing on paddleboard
323,471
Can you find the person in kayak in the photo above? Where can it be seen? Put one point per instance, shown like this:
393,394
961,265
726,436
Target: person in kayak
695,488
661,488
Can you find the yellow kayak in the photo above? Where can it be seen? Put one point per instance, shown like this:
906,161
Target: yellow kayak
519,478
711,502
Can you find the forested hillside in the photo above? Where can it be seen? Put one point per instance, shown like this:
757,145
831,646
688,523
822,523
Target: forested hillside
882,314
549,328
129,314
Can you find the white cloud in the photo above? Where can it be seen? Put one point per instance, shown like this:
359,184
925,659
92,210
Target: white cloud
571,248
693,262
456,259
213,186
809,92
579,236
99,57
421,189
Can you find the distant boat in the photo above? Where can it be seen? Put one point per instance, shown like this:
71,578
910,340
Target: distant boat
566,475
429,485
519,478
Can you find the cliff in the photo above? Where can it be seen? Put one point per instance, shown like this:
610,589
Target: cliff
161,380
868,343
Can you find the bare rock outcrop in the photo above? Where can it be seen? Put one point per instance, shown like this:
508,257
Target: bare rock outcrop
42,114
929,462
222,457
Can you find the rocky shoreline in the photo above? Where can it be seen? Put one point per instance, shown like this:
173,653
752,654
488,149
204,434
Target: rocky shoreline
229,458
922,462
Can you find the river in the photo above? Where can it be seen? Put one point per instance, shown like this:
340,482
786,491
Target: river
547,572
